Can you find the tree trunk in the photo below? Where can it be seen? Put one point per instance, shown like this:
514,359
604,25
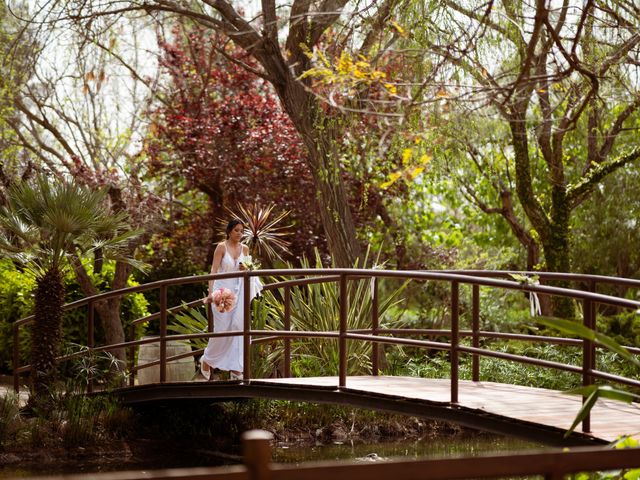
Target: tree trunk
556,249
108,311
553,232
319,135
46,335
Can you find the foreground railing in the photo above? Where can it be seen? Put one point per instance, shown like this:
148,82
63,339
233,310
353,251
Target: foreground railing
376,335
258,466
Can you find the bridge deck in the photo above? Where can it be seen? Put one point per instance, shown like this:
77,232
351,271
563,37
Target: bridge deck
609,419
534,413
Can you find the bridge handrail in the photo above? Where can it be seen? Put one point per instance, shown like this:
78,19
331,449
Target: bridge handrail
341,276
462,276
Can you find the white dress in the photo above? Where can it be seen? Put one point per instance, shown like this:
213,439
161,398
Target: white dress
226,353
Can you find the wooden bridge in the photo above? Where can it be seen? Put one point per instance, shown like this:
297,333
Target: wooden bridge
525,411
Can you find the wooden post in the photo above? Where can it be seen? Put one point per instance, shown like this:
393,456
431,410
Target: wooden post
246,338
455,328
16,357
90,342
257,453
287,327
342,340
375,327
163,333
131,356
475,332
587,357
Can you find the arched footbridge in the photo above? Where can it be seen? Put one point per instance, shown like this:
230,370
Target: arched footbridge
333,335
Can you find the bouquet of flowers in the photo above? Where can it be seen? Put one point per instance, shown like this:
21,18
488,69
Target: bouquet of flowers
249,263
224,299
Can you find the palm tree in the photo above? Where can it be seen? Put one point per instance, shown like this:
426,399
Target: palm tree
45,224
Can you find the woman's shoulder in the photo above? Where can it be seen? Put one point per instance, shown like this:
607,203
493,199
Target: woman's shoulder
221,246
245,249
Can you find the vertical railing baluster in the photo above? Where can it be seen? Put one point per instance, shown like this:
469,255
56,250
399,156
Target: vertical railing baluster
342,339
475,332
592,289
16,357
455,328
287,327
246,337
375,327
587,357
132,354
90,342
163,334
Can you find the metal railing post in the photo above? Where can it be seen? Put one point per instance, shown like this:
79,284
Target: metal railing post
163,334
131,356
375,327
587,357
257,453
592,289
342,340
90,342
455,329
287,327
246,338
475,332
16,357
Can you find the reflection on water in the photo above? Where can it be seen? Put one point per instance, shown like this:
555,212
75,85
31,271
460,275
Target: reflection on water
423,448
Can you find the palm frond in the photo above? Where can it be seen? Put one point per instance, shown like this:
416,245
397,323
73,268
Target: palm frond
45,222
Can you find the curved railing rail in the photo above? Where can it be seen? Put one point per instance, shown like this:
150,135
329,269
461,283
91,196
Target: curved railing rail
375,334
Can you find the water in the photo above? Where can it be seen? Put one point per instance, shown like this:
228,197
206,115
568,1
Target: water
468,445
153,454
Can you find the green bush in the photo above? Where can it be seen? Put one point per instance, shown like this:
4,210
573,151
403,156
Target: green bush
9,418
16,302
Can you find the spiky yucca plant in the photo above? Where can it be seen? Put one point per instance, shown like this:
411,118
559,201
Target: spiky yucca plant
316,307
263,233
44,224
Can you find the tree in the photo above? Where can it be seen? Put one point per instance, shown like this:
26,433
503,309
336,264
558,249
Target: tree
44,227
281,63
220,131
15,71
564,83
80,114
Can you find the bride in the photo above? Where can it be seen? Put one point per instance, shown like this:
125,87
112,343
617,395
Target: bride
226,353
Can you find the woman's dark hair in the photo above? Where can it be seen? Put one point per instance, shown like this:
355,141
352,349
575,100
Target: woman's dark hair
231,225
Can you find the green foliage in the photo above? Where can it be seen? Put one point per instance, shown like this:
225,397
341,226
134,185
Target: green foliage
436,365
624,327
577,329
9,418
45,223
74,418
316,307
16,302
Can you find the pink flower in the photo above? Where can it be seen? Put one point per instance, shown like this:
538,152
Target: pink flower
224,300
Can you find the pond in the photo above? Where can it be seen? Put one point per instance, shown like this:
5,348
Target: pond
146,454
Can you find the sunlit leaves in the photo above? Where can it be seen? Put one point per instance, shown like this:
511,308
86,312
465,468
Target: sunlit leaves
346,73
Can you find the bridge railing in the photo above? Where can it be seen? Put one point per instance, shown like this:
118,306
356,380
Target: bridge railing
376,335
